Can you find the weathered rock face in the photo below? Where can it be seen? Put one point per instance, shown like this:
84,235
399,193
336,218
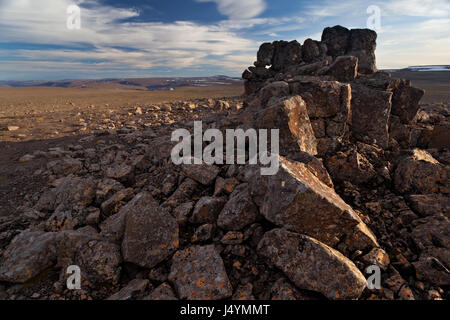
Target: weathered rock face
311,265
207,210
150,235
297,200
291,117
239,212
421,173
371,111
29,254
99,260
198,273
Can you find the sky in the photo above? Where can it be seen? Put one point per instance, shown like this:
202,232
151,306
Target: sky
168,38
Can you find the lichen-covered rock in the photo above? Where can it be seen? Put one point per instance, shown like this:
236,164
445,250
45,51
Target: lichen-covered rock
99,260
312,265
239,211
362,44
421,173
350,166
336,39
371,111
151,235
430,204
344,68
207,210
198,273
28,254
162,293
132,289
202,173
290,116
297,200
405,101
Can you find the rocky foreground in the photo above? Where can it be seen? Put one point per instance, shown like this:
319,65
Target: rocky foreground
363,181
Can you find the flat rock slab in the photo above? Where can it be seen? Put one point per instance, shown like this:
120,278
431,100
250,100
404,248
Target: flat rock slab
312,265
151,235
297,200
198,273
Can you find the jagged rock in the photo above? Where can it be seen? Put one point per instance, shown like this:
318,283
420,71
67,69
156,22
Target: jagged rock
225,186
274,89
65,166
198,273
433,231
201,173
98,260
314,165
440,136
311,50
421,173
243,293
265,55
290,116
121,172
312,265
207,210
336,39
286,54
28,254
164,293
203,233
151,235
110,206
182,194
405,102
182,212
433,266
282,290
377,257
113,227
297,200
344,68
428,205
362,44
239,211
106,188
133,288
351,166
71,191
371,111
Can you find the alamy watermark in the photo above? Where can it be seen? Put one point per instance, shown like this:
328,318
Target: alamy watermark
374,20
74,18
235,139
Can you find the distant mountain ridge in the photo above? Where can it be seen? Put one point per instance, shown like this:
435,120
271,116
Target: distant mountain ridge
129,83
430,68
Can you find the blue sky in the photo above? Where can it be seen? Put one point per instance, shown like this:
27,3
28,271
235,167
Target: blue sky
155,38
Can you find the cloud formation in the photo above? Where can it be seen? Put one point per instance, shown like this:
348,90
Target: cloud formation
239,9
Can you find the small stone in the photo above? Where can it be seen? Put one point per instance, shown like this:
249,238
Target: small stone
207,209
132,289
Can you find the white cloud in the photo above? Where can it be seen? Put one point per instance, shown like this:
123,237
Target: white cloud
175,45
239,9
418,8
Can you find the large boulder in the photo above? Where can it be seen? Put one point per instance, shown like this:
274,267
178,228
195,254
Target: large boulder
28,254
151,235
297,200
312,265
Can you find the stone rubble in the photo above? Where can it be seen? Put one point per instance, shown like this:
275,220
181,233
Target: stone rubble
363,181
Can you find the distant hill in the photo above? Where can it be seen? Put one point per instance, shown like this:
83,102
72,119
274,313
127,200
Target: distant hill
131,83
435,68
